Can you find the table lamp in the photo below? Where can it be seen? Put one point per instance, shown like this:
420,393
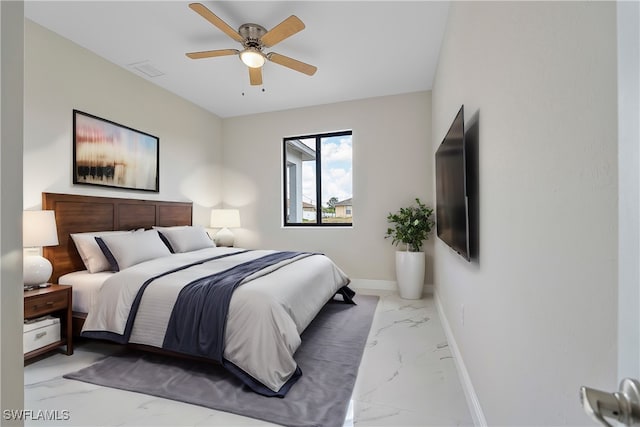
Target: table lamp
38,230
224,219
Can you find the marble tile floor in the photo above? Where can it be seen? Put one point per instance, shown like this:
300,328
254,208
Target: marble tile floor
407,378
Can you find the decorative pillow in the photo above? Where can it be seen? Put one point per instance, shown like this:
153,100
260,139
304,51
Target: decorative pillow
125,250
91,254
186,239
164,238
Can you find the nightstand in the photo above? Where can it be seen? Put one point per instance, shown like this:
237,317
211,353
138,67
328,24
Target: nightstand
54,300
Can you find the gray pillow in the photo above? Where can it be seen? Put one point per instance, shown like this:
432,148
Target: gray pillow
126,250
91,254
186,239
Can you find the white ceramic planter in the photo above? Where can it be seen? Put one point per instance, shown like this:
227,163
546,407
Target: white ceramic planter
410,268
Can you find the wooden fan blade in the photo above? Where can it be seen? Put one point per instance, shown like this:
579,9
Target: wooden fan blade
212,53
255,76
211,17
283,30
294,64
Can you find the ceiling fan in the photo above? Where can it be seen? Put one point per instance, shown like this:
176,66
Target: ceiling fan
254,38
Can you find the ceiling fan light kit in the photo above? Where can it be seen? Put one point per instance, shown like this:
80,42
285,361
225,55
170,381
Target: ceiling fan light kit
252,57
254,38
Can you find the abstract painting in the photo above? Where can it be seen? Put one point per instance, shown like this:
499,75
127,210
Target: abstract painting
112,155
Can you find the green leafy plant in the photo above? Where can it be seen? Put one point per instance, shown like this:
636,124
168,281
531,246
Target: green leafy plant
411,226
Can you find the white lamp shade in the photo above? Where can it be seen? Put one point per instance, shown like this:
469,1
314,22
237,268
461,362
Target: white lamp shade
39,229
225,218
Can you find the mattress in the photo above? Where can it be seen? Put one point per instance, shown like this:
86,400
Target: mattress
86,287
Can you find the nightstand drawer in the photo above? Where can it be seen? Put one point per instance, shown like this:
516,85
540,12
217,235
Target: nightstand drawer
42,304
41,333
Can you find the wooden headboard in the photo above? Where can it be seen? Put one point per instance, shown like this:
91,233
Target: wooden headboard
78,214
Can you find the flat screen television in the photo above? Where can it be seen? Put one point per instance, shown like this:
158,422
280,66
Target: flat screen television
452,204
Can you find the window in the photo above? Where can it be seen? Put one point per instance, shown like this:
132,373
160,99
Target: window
313,198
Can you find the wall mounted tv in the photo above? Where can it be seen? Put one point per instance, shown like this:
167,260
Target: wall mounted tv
452,203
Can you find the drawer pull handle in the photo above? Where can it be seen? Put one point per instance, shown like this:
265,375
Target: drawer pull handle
41,334
47,304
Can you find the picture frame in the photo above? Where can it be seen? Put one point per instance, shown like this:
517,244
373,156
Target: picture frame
108,154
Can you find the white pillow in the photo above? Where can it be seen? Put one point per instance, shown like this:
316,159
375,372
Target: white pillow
125,250
162,229
186,239
91,254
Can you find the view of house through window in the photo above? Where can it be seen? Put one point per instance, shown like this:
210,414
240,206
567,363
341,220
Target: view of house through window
318,179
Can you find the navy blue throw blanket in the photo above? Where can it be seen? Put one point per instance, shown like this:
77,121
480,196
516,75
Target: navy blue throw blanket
199,317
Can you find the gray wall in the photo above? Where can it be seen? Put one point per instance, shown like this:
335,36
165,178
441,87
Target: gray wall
540,307
11,118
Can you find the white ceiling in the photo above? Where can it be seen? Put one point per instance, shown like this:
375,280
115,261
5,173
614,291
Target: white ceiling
362,49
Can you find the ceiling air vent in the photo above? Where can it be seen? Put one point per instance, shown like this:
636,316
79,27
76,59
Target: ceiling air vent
146,69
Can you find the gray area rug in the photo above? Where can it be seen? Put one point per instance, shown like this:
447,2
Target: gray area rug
331,350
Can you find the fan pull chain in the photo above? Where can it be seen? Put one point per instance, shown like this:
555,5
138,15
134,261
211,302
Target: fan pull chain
261,90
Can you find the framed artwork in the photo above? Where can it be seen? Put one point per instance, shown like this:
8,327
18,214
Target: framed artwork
109,154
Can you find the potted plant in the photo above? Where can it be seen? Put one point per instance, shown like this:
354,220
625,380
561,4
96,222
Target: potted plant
411,227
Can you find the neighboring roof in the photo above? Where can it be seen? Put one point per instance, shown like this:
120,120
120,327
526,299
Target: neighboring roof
345,202
305,205
306,152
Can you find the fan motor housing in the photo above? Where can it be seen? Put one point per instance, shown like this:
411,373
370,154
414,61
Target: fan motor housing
252,33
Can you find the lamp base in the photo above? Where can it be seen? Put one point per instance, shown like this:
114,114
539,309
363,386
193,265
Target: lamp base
36,270
224,237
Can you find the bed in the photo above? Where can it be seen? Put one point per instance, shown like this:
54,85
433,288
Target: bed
174,291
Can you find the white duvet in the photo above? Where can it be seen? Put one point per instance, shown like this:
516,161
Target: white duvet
267,313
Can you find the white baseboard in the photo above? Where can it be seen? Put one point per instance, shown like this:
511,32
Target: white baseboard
382,285
465,379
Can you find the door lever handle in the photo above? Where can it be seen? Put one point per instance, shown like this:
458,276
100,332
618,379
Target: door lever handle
622,406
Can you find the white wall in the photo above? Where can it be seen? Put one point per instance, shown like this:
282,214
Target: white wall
629,192
61,76
540,315
11,119
391,167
